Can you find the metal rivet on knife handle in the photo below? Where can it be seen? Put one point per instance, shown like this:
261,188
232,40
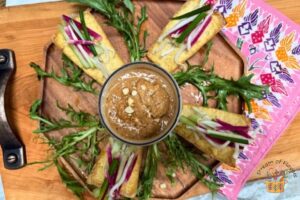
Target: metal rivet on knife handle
2,59
12,158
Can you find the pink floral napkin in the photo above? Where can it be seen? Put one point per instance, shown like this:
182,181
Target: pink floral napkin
271,43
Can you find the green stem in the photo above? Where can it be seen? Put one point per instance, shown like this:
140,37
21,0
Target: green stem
86,33
111,171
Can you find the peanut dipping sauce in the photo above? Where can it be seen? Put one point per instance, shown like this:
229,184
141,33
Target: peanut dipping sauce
139,104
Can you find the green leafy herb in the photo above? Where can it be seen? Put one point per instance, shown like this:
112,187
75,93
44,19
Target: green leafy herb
169,173
208,81
124,21
83,119
70,182
190,27
149,173
78,119
194,12
70,76
86,35
208,48
84,142
181,157
67,145
47,125
129,5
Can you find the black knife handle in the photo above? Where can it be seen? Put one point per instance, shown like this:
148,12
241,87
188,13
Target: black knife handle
12,148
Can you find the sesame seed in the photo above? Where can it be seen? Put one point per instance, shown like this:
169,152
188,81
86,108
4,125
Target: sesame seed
125,91
143,87
130,101
134,93
163,186
129,110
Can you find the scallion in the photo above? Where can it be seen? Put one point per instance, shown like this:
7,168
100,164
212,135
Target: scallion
86,33
191,27
194,12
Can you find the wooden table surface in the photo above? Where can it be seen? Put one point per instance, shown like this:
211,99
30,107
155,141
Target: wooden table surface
26,30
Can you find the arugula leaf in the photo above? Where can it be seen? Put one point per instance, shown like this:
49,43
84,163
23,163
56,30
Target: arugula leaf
207,52
84,142
78,119
181,157
73,185
208,81
47,125
81,118
71,76
123,21
169,173
71,144
129,5
67,145
149,173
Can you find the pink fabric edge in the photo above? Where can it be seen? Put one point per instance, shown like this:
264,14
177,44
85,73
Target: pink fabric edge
257,159
293,109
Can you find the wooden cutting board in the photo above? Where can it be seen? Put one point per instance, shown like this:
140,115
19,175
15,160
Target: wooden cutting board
225,58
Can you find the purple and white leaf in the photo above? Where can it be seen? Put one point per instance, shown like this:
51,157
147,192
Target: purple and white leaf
296,50
254,123
285,75
252,18
273,100
222,177
242,156
275,33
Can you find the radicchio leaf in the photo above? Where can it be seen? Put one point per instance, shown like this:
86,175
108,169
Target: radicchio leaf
215,140
180,30
242,130
130,169
206,23
109,154
79,26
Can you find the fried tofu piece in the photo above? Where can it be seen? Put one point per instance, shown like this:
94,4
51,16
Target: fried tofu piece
129,188
99,171
114,61
168,62
224,155
97,176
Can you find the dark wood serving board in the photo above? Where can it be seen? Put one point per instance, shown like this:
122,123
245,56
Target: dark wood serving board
228,63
